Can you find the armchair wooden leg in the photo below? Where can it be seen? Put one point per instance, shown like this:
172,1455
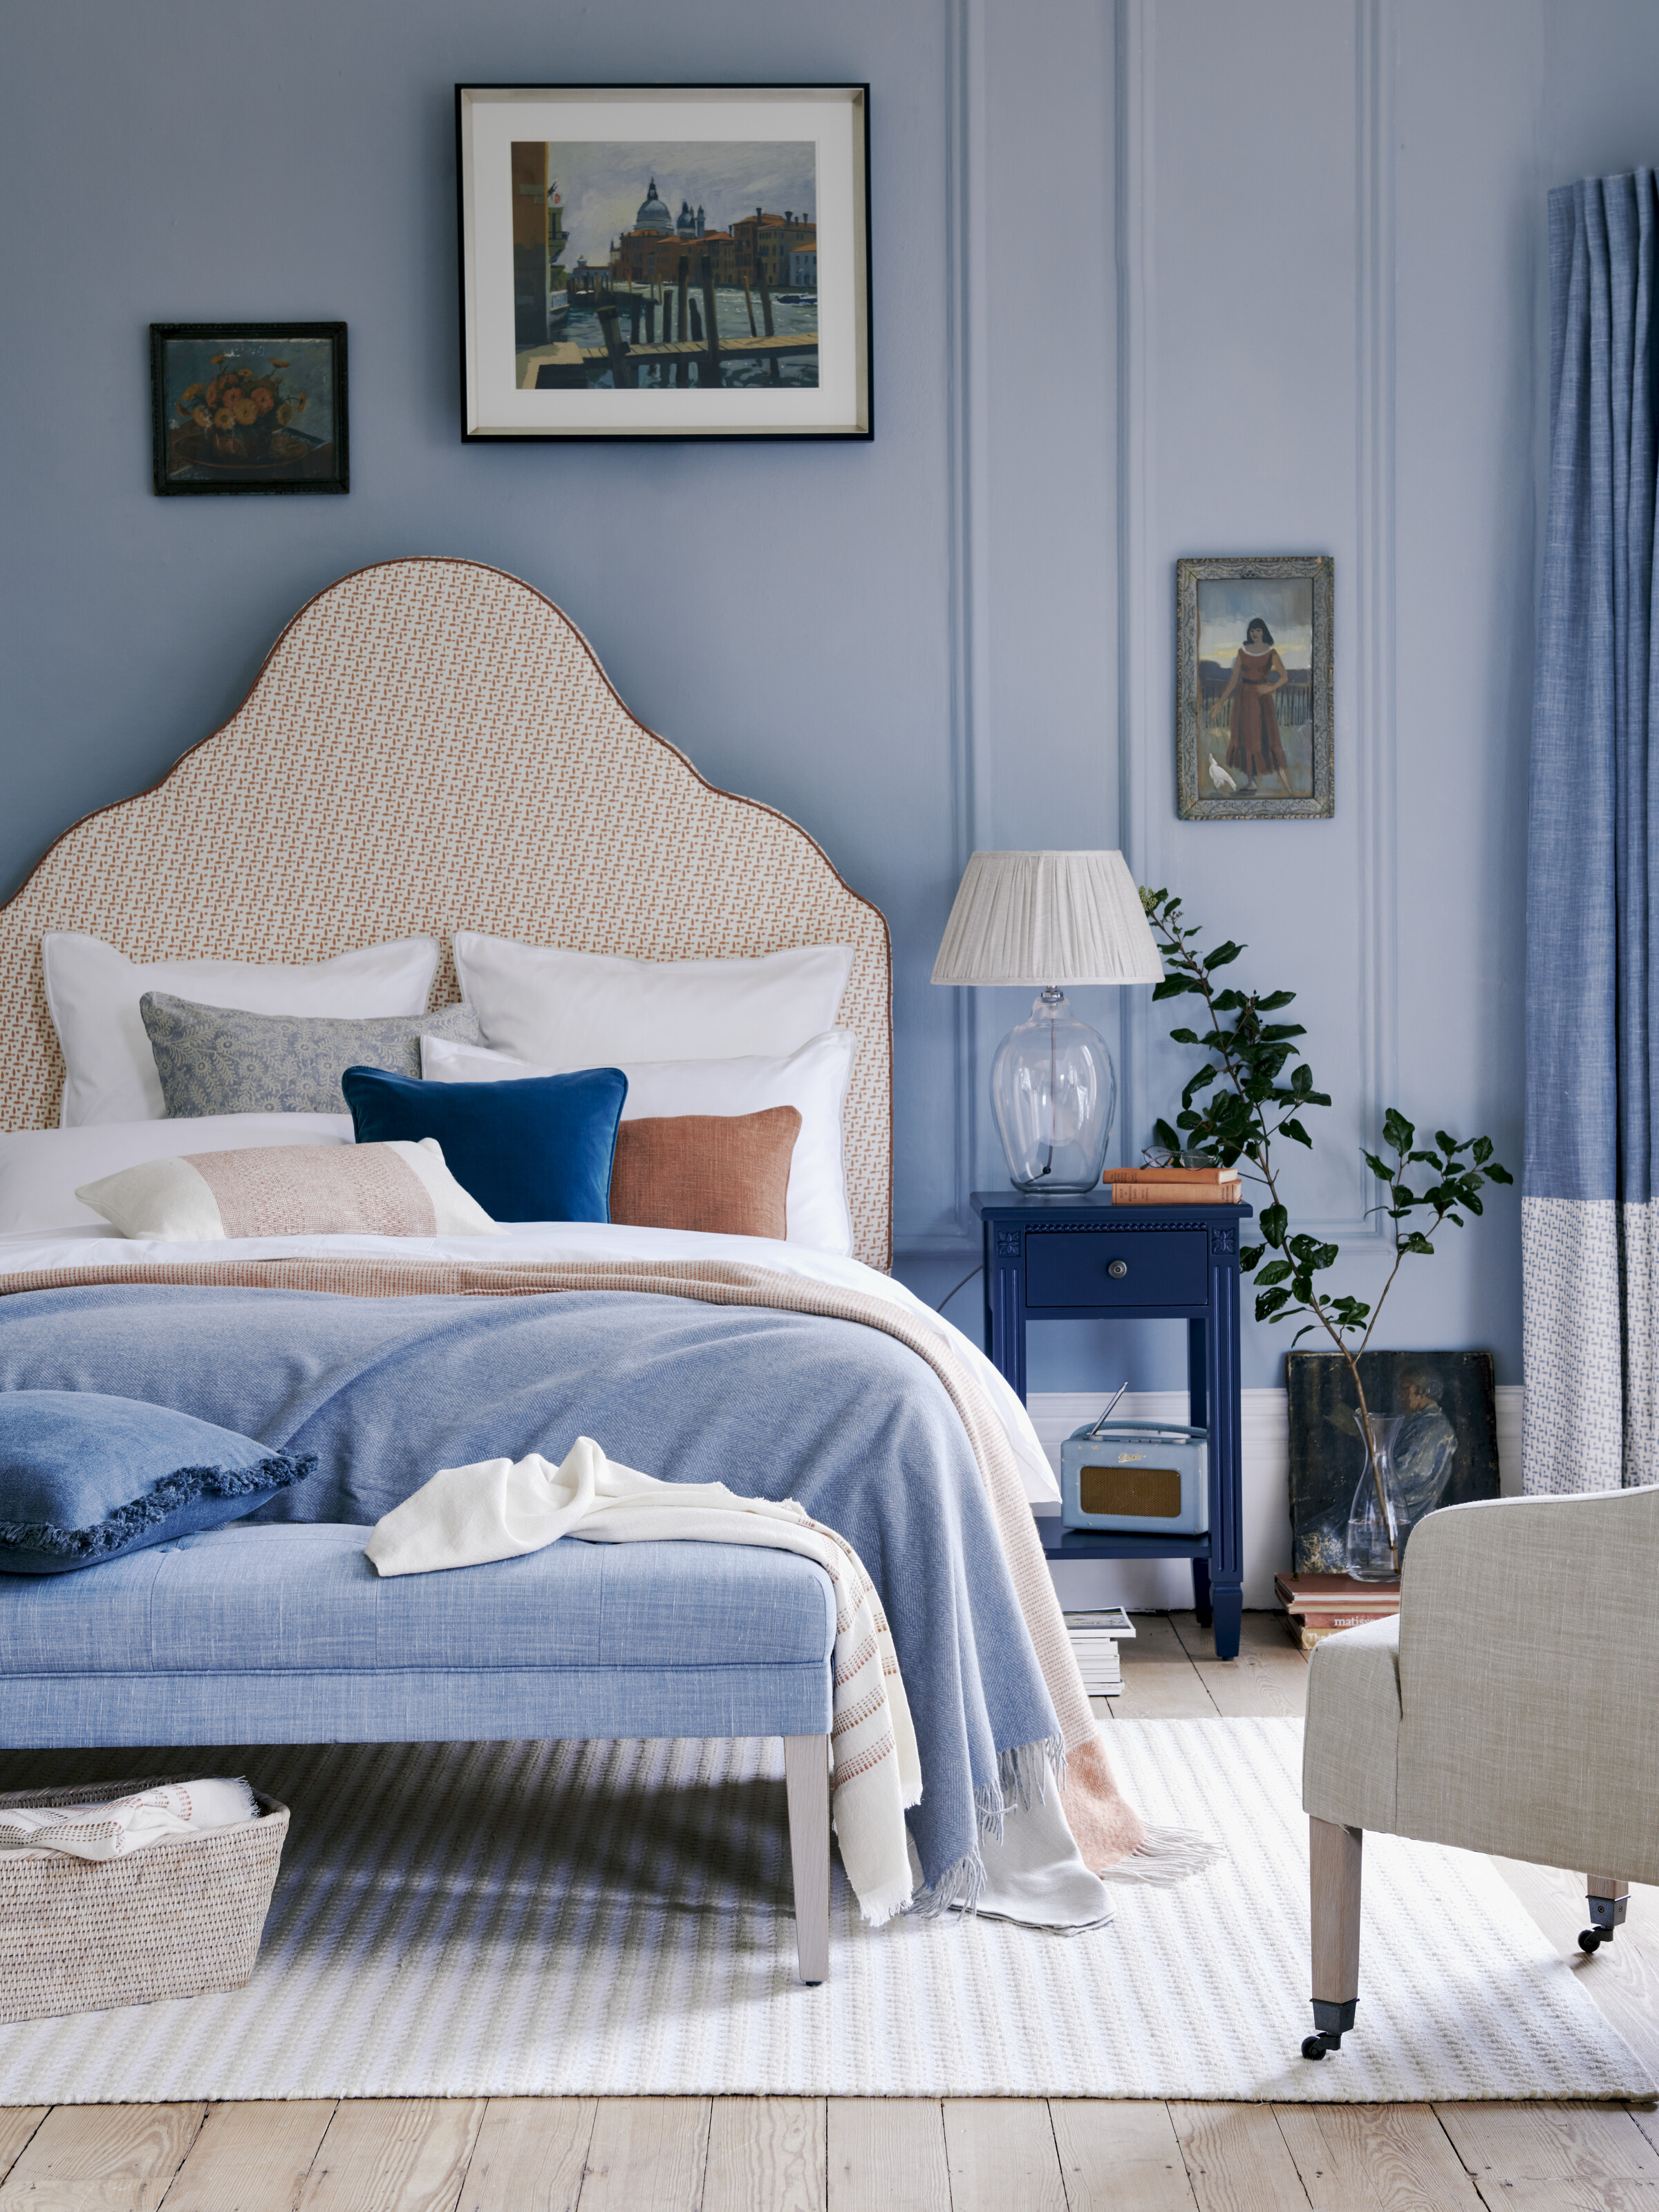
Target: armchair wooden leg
1334,1869
806,1779
1607,1898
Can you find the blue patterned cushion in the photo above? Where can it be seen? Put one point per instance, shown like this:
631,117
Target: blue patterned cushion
540,1149
84,1477
216,1060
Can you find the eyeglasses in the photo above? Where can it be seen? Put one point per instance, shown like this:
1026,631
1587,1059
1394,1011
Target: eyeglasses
1159,1156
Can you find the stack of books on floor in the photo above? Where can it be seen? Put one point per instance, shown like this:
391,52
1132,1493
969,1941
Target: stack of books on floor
1095,1638
1316,1606
1175,1186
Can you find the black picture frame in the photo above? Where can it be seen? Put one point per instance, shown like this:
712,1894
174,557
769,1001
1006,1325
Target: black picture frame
275,454
486,420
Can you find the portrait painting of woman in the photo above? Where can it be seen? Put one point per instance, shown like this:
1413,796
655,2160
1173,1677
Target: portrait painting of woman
1254,726
1253,747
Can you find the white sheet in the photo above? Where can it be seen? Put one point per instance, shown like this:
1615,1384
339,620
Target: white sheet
28,1250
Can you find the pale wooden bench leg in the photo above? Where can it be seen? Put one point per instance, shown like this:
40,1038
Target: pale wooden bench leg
1334,1855
806,1777
1607,1898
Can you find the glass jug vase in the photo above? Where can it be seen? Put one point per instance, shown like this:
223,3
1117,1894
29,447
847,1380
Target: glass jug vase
1376,1524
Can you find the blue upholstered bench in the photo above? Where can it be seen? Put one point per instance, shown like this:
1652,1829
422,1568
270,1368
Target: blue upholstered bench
286,1635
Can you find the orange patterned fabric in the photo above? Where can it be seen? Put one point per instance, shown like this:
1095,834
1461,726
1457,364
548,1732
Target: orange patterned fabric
439,742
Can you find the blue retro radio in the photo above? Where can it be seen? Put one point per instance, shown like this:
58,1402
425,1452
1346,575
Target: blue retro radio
1148,1477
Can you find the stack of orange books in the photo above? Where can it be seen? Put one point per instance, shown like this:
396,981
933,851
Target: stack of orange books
1174,1186
1317,1606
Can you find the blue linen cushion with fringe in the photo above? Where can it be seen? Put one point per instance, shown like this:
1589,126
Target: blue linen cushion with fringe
540,1149
85,1477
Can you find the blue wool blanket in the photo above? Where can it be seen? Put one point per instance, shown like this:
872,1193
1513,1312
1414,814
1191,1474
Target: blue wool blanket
773,1404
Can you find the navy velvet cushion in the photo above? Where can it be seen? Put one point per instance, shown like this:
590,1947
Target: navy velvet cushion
540,1149
84,1477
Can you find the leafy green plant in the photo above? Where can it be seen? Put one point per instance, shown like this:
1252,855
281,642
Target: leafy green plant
1250,1093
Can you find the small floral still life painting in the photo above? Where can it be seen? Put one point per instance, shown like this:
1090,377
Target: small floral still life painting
242,408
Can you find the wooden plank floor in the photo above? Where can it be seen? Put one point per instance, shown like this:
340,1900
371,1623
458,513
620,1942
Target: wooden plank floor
852,2155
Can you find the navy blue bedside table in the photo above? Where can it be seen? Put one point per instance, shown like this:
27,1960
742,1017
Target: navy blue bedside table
1084,1259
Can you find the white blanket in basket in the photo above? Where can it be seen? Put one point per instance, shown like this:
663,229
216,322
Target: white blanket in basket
128,1823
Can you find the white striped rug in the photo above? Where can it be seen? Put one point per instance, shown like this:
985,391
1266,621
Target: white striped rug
614,1919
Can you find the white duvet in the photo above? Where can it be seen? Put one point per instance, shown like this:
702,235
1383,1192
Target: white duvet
25,1251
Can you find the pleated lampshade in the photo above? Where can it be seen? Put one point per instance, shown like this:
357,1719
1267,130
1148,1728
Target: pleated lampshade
1039,918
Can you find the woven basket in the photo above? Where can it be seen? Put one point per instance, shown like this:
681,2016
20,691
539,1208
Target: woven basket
173,1920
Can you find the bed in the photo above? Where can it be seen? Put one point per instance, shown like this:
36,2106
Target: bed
430,747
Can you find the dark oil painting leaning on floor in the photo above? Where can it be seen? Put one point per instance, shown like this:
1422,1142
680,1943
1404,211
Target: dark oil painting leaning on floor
1434,1412
649,265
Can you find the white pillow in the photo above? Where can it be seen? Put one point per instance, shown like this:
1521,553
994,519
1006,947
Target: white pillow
40,1170
813,1080
566,1010
401,1189
93,991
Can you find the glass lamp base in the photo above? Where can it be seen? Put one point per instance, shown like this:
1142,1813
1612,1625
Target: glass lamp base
1053,1092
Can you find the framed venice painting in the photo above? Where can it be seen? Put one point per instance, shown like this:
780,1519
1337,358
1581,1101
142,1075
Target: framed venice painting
664,261
248,407
1253,689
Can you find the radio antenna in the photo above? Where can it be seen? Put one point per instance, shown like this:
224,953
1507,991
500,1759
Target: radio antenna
1110,1402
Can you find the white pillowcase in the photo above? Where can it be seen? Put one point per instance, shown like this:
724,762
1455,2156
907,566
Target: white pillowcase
40,1170
814,1080
563,1010
93,991
401,1189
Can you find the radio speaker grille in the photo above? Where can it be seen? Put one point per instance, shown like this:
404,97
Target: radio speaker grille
1145,1494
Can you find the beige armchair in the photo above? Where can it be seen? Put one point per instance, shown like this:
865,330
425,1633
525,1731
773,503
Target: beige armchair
1511,1706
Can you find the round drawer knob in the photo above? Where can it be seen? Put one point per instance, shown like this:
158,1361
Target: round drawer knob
1117,1269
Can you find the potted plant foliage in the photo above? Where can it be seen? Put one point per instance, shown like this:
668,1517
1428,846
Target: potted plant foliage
1252,1089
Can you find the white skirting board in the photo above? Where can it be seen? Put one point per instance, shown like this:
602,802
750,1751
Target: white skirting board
1151,1586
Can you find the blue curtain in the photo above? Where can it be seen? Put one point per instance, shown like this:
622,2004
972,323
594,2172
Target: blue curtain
1589,1234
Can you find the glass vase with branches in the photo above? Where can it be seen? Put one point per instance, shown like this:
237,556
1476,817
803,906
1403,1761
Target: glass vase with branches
1249,1096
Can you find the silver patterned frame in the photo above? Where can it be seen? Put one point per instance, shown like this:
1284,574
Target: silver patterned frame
1193,802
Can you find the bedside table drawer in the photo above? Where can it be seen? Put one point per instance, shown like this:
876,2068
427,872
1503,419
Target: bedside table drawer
1073,1267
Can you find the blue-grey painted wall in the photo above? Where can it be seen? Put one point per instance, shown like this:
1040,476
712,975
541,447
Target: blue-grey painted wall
1150,280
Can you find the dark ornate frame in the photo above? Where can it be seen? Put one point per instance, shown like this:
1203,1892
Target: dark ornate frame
1193,802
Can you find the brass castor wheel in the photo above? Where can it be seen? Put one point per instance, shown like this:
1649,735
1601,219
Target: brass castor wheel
1591,1939
1313,2046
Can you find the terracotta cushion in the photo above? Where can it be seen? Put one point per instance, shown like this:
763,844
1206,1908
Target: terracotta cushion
725,1174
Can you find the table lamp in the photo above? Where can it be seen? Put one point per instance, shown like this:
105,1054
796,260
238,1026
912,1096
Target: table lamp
1048,919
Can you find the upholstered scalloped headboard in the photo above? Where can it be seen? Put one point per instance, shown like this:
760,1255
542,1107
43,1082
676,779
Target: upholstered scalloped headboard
431,745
